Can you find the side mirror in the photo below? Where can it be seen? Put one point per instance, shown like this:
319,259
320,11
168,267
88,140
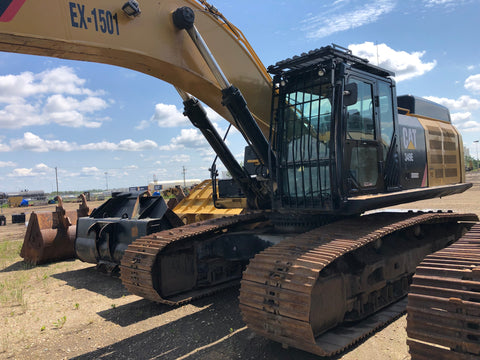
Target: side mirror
350,94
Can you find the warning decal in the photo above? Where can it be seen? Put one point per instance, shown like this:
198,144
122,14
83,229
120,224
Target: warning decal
9,8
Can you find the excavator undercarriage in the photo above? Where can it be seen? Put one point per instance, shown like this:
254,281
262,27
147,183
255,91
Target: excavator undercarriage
299,289
181,264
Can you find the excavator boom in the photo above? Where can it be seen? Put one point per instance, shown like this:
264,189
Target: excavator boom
100,31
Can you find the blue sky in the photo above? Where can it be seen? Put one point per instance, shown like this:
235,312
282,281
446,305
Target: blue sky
90,119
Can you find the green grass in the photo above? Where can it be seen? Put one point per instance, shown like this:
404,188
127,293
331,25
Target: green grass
60,322
13,284
9,250
12,291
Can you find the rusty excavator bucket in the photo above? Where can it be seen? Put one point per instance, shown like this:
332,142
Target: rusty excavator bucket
50,236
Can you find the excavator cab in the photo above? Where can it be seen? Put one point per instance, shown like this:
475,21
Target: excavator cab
334,124
341,145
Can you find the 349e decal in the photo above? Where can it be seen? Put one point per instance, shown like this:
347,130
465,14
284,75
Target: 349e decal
9,8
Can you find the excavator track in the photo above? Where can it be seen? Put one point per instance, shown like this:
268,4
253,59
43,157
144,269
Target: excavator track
287,289
139,265
443,320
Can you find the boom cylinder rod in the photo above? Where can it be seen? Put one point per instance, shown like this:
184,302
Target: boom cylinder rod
194,110
208,57
198,117
184,19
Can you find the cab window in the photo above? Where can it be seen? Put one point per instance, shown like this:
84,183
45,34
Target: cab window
360,122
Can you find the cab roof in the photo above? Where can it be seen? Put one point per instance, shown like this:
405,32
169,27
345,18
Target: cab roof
323,55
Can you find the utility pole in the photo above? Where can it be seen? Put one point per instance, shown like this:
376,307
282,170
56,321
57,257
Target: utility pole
184,182
56,178
478,163
106,179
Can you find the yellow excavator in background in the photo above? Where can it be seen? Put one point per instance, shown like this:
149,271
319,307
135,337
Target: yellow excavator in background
328,140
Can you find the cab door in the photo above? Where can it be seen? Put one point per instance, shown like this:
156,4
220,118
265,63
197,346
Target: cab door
363,153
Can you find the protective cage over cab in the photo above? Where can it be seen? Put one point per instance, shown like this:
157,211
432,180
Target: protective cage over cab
337,137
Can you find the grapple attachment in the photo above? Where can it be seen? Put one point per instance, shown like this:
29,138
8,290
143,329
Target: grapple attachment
103,236
50,235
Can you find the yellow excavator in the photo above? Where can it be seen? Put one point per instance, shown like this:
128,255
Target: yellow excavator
328,141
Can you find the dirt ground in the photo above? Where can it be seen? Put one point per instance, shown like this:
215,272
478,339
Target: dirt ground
67,310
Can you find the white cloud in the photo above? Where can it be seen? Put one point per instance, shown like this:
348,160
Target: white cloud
143,125
168,116
60,103
61,80
179,158
320,26
189,139
446,3
124,145
64,80
463,103
32,142
39,99
37,171
4,148
469,126
405,65
18,115
13,88
130,145
464,122
7,164
461,116
68,111
22,172
91,171
473,83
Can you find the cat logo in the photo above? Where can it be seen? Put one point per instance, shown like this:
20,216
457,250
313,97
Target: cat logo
9,8
409,138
